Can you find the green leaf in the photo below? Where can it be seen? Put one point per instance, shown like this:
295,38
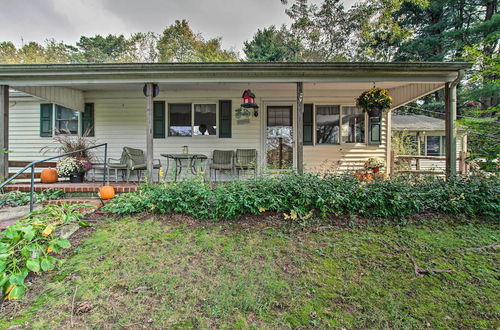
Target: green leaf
47,263
33,264
63,243
18,278
84,223
16,293
3,264
29,232
4,279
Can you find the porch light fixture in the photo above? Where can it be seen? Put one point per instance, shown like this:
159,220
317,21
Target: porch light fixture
156,90
249,101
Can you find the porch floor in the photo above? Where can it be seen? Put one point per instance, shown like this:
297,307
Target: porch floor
87,187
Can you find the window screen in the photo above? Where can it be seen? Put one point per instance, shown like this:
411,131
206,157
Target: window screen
205,119
66,120
353,125
327,124
179,118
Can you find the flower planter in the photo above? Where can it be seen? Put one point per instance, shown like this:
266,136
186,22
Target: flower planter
76,178
374,112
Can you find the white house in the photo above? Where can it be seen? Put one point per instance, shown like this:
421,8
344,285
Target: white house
306,111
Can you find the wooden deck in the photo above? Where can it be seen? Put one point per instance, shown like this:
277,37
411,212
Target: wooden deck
86,187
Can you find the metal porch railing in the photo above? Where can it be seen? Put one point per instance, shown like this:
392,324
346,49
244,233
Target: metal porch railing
32,165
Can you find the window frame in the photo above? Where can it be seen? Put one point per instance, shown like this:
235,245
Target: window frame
442,145
211,102
341,115
216,118
55,120
315,123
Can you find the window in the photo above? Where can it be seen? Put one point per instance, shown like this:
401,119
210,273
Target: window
327,124
374,130
66,120
179,116
435,145
279,116
88,120
205,119
353,125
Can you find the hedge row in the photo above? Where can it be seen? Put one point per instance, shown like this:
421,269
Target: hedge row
339,195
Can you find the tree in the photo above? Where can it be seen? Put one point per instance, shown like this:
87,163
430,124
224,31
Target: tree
178,43
8,53
271,45
99,49
143,47
34,53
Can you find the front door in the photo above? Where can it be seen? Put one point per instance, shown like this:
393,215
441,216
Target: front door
279,137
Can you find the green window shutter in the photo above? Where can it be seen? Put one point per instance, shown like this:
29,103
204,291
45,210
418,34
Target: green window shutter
374,130
88,120
45,120
159,120
225,119
308,124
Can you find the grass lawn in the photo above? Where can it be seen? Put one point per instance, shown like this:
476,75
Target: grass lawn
171,273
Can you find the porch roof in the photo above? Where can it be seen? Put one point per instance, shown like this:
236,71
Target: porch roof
70,74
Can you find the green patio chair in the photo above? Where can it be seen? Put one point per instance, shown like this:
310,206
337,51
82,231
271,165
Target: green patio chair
246,159
222,160
136,161
117,165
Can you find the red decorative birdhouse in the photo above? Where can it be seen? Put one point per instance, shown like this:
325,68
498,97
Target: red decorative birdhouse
249,100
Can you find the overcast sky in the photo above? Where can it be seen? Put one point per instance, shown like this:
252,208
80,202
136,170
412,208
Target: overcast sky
67,20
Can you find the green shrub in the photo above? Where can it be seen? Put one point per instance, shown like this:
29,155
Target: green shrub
339,195
18,198
29,246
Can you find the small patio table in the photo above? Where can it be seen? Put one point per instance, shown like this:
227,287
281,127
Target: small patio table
178,158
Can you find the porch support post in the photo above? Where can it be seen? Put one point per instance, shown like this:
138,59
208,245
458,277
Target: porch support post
149,132
388,142
4,131
451,134
300,127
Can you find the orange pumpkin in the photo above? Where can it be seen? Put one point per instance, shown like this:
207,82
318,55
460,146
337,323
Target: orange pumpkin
107,192
49,175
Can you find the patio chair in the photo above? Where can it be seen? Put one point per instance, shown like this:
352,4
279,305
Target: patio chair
222,160
117,164
246,159
136,161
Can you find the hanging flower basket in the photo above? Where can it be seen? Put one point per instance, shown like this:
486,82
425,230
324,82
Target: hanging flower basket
374,101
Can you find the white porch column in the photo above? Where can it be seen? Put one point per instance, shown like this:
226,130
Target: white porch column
149,131
388,142
451,130
300,127
4,134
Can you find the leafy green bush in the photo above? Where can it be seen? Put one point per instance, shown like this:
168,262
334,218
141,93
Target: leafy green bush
339,195
29,245
18,198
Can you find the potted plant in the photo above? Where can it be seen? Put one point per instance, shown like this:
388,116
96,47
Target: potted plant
374,101
374,164
72,168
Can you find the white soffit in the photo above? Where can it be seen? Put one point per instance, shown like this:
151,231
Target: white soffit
64,96
411,92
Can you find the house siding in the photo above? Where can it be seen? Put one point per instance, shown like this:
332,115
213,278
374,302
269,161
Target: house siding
120,120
